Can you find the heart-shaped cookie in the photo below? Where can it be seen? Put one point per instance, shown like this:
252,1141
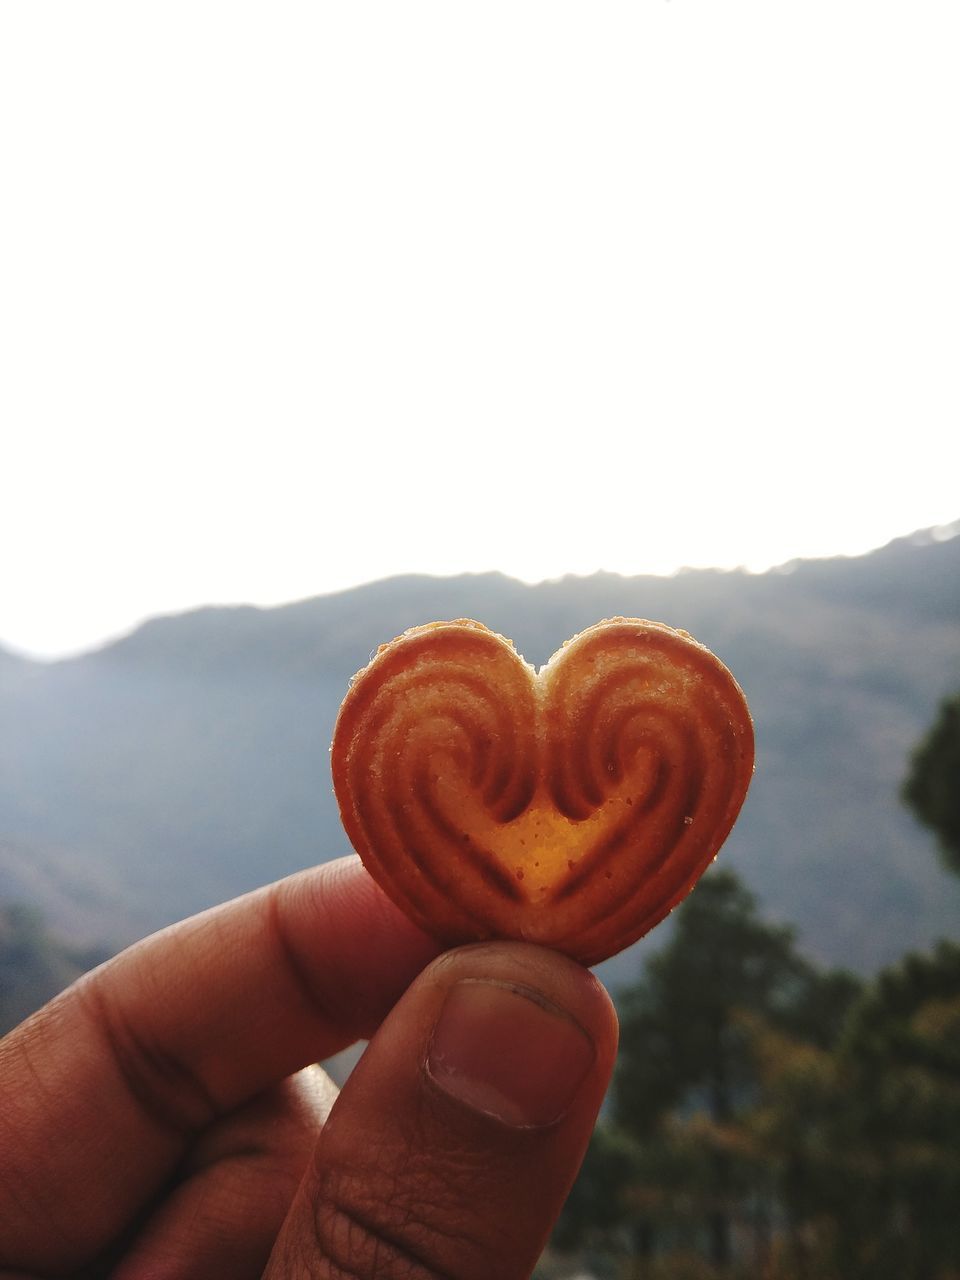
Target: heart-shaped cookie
573,807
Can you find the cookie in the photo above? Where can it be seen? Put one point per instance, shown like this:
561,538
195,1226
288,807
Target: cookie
572,807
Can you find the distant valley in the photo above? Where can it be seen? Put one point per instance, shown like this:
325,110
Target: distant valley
188,762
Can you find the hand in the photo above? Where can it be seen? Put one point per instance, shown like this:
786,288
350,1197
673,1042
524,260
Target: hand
160,1120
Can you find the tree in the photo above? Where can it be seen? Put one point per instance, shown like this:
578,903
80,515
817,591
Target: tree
678,1030
901,1125
596,1213
688,1074
932,785
865,1140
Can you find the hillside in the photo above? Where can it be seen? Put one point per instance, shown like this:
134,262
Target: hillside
34,964
188,761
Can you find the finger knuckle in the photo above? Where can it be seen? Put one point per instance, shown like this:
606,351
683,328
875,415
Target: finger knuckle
161,1084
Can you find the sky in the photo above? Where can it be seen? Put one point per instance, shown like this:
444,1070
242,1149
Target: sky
298,296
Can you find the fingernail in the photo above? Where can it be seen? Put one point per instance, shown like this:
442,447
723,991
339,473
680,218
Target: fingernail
508,1052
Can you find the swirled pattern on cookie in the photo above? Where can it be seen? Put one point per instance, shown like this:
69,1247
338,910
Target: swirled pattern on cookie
573,808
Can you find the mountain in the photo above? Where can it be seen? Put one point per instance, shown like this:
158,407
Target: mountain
78,903
34,964
188,761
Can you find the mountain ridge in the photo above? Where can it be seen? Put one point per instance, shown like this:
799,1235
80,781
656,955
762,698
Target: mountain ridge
248,622
826,567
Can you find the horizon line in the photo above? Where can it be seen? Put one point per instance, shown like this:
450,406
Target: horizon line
927,536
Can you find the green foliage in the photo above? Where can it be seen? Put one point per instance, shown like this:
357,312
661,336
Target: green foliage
691,1178
773,1119
595,1210
681,1039
932,786
891,1118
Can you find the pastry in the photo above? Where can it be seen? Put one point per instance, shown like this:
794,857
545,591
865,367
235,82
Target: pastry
572,807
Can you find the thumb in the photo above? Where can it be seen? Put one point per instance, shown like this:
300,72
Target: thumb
456,1139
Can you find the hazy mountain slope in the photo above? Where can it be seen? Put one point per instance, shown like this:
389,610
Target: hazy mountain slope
189,761
34,963
80,901
917,575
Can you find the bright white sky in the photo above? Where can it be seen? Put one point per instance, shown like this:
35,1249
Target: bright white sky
295,296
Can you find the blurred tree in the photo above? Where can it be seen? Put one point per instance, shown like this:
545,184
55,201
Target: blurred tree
864,1142
688,1075
681,1044
901,1124
678,1029
596,1214
932,786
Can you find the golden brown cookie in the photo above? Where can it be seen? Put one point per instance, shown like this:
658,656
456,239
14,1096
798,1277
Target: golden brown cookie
573,807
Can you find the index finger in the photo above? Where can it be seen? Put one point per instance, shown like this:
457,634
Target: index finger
107,1085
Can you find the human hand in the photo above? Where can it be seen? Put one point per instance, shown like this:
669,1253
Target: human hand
160,1121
